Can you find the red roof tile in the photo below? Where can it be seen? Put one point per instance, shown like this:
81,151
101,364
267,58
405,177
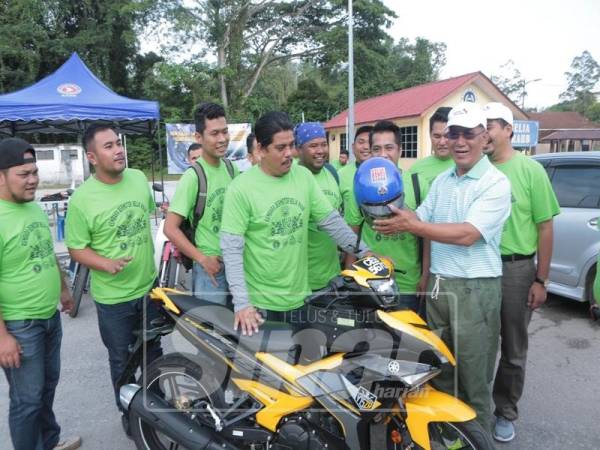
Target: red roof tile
562,120
593,134
404,103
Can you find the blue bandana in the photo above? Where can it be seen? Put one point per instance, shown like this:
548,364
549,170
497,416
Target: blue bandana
307,131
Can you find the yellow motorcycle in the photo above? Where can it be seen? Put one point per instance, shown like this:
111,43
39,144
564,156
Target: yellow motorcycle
347,363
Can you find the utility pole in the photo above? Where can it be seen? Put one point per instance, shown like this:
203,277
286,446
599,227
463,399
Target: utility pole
350,134
524,92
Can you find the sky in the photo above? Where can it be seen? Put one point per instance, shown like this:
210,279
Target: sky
541,36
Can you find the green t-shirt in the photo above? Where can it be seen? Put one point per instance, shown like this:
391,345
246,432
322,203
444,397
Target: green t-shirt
429,168
184,200
338,165
114,221
323,258
346,176
532,202
29,277
272,214
402,248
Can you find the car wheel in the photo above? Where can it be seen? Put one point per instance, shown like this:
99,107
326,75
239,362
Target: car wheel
589,285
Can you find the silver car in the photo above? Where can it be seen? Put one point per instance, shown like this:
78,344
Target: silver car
575,177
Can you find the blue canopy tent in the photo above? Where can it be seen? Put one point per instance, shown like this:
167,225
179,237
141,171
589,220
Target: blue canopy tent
69,99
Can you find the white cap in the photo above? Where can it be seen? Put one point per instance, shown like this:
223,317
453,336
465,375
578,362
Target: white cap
467,115
496,110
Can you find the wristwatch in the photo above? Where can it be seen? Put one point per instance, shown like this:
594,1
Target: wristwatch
543,282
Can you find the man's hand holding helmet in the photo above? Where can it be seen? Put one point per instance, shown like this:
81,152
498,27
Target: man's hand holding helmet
401,220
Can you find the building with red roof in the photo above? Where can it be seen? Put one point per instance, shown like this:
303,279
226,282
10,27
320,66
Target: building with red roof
566,131
411,109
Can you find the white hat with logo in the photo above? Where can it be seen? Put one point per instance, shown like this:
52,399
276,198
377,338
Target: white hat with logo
496,110
467,115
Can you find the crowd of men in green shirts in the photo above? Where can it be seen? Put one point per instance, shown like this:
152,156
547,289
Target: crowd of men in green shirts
476,213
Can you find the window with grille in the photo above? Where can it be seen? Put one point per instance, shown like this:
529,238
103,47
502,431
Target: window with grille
410,142
343,141
44,155
69,154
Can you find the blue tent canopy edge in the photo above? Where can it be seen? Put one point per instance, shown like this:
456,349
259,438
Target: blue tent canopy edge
67,100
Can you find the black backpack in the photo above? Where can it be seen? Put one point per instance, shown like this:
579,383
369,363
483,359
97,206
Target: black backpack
188,227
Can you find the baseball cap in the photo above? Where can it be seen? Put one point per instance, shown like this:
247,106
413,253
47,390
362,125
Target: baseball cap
12,153
496,110
467,115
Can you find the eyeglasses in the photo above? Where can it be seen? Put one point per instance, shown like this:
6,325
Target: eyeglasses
469,135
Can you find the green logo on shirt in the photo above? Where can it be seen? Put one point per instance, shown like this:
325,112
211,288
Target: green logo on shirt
41,249
286,218
129,219
215,205
393,237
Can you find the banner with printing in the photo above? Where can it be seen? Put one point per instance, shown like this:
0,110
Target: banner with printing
181,135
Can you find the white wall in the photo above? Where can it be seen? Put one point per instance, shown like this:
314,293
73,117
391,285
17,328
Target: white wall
60,164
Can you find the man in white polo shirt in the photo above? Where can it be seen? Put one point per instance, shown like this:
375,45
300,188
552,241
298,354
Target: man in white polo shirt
463,216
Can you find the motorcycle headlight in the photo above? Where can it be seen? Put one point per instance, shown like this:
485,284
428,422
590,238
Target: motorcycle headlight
386,289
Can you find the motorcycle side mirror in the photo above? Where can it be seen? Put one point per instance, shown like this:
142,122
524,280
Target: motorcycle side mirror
157,187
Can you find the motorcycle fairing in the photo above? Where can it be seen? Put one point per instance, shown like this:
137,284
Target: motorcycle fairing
430,405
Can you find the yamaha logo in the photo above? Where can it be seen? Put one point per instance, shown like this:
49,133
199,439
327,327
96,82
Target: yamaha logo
69,90
394,367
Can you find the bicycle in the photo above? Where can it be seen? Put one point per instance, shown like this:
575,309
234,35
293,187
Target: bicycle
79,285
166,255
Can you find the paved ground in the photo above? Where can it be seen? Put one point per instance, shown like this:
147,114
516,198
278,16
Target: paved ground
559,409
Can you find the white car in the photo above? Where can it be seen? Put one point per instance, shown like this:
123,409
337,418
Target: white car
575,177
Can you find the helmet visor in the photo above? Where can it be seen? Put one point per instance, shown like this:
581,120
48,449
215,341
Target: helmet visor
373,212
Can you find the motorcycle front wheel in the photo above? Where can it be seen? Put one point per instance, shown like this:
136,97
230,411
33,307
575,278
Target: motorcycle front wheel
468,435
179,380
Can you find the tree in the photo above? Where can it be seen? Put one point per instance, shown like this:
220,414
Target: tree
583,77
22,39
245,38
311,102
581,81
511,82
36,37
593,112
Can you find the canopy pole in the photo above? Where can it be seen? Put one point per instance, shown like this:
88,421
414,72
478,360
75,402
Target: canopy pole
152,176
160,159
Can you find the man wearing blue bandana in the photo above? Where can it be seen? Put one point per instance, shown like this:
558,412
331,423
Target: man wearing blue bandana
323,258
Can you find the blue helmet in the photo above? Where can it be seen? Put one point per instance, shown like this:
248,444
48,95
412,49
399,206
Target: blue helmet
377,184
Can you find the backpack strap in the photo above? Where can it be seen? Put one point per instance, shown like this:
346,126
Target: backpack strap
200,204
417,191
229,167
333,172
416,188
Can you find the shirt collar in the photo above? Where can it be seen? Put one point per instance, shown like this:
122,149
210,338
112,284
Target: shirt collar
478,169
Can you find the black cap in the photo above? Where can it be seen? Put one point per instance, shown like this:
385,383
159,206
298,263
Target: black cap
12,153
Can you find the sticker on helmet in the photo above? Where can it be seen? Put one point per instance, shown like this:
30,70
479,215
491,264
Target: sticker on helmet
382,190
378,175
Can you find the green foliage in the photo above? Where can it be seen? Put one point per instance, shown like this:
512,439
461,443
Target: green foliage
312,100
583,77
581,82
593,112
36,37
251,55
510,81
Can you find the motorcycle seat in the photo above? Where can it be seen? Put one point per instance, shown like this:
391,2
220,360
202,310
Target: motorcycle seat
275,337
